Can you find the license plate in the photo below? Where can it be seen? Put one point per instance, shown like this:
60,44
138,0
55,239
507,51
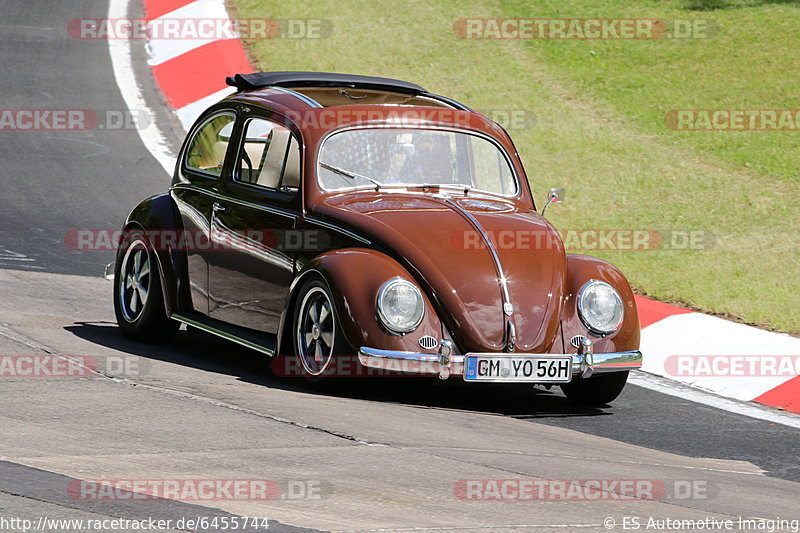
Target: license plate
519,369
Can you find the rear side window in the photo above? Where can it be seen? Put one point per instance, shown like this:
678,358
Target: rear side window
269,156
208,147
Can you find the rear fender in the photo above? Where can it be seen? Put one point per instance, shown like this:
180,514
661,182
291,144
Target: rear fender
155,215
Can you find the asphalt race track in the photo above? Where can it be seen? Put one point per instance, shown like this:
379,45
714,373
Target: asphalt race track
61,180
380,457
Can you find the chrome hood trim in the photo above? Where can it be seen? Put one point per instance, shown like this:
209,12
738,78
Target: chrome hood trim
458,259
508,307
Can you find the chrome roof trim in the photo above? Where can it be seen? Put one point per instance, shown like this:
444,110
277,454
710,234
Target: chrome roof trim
305,99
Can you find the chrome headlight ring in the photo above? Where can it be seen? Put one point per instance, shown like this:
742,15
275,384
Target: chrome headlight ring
400,305
600,307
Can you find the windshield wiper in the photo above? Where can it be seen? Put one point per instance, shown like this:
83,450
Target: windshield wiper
350,174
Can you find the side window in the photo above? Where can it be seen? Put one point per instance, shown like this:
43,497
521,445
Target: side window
269,156
207,150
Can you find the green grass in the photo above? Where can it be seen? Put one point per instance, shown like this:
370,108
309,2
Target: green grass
749,61
600,130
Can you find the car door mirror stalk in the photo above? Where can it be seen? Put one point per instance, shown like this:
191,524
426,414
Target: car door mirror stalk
556,195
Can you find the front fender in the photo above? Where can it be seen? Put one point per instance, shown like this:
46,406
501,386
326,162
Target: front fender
580,270
155,215
354,276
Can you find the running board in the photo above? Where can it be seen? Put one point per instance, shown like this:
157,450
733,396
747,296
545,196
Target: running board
255,340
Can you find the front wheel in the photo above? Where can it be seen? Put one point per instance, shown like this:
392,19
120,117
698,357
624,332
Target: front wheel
318,338
138,295
597,390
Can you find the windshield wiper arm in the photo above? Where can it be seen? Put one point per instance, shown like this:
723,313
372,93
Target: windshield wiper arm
350,174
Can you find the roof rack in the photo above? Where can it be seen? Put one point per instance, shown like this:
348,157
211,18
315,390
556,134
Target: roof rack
288,79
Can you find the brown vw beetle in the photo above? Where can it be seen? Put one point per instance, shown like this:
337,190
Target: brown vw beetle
322,216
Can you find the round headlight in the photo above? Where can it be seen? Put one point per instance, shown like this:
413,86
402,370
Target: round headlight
600,307
400,305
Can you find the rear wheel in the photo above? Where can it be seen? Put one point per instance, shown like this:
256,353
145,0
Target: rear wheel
597,390
138,295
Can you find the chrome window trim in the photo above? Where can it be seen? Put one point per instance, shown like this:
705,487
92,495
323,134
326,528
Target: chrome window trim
184,163
236,171
428,97
300,96
219,196
384,125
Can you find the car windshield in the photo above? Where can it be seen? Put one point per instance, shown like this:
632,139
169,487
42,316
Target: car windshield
392,157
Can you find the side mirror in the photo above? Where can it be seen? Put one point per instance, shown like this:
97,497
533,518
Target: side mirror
556,195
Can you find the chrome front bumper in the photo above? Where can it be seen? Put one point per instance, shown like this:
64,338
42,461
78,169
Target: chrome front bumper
108,271
585,363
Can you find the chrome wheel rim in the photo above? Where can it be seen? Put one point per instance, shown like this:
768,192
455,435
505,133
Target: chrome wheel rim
316,331
135,281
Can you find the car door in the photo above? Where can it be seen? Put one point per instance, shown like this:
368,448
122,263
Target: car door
251,265
200,172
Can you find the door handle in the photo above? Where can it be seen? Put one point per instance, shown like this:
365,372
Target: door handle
218,207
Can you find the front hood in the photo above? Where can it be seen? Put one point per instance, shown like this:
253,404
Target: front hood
442,247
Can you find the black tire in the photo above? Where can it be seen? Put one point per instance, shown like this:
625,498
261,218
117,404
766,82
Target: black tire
318,341
140,321
597,390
